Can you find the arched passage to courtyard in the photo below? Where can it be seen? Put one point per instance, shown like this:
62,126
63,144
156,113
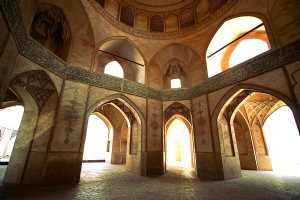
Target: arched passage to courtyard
178,143
178,138
251,142
124,122
35,91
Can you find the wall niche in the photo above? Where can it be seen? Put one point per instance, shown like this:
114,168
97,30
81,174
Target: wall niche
51,29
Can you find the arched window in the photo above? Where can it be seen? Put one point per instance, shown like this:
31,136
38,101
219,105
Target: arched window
236,41
127,16
156,24
115,69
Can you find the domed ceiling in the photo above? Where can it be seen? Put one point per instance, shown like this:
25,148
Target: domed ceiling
161,19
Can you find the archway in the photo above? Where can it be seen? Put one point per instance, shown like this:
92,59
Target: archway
178,143
37,93
237,40
124,146
120,50
241,124
178,137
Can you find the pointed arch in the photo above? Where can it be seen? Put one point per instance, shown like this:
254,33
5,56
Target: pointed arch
126,53
177,108
219,49
140,167
38,83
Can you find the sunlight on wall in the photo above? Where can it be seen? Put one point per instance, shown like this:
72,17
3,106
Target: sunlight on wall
247,49
176,83
283,140
96,139
10,120
178,145
228,32
115,69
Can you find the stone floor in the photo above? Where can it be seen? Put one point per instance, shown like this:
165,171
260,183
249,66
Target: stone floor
112,182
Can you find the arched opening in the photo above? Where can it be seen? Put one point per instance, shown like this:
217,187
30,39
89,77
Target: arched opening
237,40
122,144
115,69
178,144
119,53
127,15
10,120
97,140
51,29
255,126
283,141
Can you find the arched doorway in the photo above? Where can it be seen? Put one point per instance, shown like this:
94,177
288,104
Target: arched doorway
178,138
178,143
36,92
125,124
246,134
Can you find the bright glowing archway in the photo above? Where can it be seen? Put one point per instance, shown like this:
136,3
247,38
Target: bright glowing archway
95,146
283,140
178,144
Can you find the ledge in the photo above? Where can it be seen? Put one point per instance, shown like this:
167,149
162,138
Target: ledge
40,55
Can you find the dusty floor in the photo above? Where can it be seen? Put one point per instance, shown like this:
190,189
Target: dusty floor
104,181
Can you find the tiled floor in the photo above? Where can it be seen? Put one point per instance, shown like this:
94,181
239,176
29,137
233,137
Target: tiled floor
104,181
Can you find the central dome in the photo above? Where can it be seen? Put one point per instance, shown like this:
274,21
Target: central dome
159,3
